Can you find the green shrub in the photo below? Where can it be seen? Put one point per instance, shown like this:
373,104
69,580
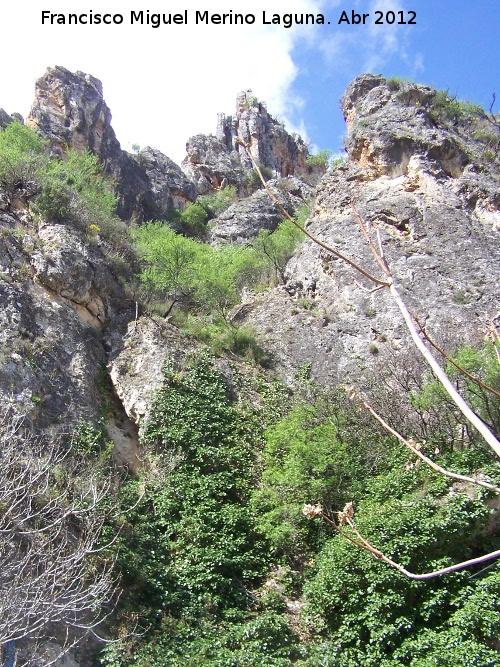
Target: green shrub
321,159
278,247
194,220
190,551
210,278
315,454
216,203
373,616
445,108
251,181
21,159
54,201
394,83
83,195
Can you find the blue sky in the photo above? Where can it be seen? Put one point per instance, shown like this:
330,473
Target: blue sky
164,85
455,45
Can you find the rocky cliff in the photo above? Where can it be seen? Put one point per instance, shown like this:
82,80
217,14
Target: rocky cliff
214,161
429,187
419,171
422,181
70,111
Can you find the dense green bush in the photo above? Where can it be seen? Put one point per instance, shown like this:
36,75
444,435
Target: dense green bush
446,108
320,159
210,278
71,189
191,551
224,514
74,190
369,614
217,202
21,159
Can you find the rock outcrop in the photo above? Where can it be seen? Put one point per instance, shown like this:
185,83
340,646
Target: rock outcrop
386,128
214,161
56,295
244,219
70,111
437,208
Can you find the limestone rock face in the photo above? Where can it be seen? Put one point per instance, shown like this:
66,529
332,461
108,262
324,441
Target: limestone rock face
168,186
270,144
213,162
440,232
386,127
50,354
244,219
69,109
210,164
136,357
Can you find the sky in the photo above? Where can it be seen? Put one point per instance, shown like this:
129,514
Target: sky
166,84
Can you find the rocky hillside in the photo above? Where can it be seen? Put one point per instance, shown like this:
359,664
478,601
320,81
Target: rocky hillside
78,327
214,161
419,177
414,174
432,190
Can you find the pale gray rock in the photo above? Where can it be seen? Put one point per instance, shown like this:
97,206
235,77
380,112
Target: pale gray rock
244,219
5,118
210,164
70,111
169,188
136,359
213,161
440,232
386,128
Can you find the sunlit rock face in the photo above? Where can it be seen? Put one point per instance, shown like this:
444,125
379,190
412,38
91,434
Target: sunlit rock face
214,161
70,111
425,186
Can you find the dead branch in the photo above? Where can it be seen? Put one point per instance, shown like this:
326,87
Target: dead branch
332,251
50,524
345,516
416,449
474,379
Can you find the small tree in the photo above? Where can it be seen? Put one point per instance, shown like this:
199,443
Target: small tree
51,583
278,246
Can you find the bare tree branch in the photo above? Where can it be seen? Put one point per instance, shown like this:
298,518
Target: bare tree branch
345,517
50,524
416,449
454,363
336,253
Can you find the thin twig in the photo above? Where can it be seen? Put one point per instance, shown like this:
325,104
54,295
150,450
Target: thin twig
415,450
379,257
336,253
363,543
448,358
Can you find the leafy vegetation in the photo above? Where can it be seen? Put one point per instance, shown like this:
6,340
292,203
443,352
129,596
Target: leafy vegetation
191,551
446,108
70,190
251,182
207,280
320,159
276,248
218,552
21,159
193,220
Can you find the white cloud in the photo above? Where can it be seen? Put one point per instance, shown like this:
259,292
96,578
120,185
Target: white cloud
370,48
162,85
